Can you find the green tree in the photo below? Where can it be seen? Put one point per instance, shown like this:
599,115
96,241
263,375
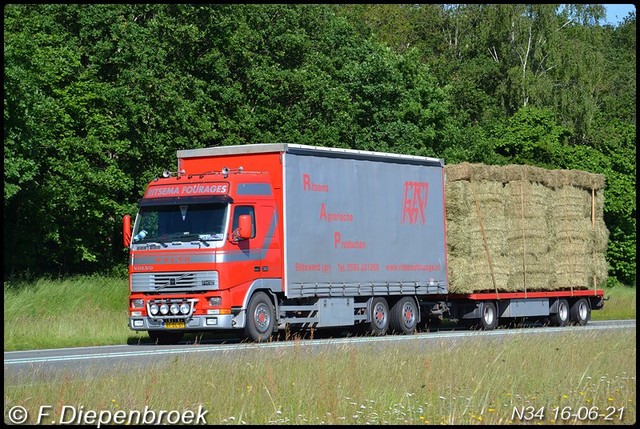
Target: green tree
99,97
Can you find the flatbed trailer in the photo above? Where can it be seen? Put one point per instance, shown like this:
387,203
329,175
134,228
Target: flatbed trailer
485,310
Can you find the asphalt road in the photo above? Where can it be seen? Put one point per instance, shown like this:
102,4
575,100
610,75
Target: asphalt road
104,358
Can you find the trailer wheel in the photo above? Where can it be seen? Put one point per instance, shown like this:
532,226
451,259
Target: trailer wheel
379,317
165,338
488,316
261,318
561,318
580,312
404,316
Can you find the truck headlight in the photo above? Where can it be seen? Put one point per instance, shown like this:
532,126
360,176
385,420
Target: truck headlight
164,309
215,301
184,309
174,309
137,303
153,308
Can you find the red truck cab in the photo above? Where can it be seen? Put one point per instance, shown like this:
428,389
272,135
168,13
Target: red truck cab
187,227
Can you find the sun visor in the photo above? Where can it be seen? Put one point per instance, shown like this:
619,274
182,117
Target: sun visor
209,199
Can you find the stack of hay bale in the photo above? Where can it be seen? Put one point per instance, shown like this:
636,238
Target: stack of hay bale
522,228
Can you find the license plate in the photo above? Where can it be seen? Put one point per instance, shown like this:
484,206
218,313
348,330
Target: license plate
174,325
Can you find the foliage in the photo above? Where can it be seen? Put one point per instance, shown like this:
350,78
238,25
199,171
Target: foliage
99,97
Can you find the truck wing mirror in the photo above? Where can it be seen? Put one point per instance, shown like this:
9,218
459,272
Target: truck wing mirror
245,227
126,230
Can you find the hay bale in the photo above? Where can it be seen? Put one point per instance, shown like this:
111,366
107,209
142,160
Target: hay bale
486,220
576,178
527,199
503,174
489,195
456,197
476,218
458,238
572,237
534,224
533,281
475,275
457,172
571,249
490,235
575,273
530,272
600,236
599,204
600,270
528,235
570,202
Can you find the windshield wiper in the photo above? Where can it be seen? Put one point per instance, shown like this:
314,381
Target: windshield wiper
202,240
151,243
190,237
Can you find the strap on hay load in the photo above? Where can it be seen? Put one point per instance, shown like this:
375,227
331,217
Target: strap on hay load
593,224
524,263
566,220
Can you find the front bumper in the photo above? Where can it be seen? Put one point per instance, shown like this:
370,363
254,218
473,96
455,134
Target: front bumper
193,323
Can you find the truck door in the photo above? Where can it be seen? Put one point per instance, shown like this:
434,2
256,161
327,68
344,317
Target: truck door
261,251
258,256
267,223
248,255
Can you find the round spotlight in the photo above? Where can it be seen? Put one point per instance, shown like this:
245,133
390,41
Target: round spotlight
174,309
166,173
164,309
154,309
184,309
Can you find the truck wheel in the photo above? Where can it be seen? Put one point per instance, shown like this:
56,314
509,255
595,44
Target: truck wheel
165,338
404,316
580,312
379,317
561,318
488,316
261,318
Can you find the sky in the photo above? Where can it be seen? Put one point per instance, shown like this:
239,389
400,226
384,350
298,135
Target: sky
621,10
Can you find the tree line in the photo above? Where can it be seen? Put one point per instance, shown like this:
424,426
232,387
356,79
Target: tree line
98,98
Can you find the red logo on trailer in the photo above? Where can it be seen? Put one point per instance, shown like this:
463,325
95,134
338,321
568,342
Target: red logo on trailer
414,201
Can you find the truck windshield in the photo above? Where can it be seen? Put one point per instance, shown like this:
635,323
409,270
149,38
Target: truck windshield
181,222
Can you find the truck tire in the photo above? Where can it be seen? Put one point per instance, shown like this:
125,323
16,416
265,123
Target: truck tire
404,316
561,318
379,324
165,338
261,318
580,312
488,316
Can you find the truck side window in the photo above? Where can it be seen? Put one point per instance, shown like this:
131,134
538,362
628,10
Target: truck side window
242,210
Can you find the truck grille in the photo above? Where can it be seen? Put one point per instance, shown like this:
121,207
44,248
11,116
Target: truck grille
174,282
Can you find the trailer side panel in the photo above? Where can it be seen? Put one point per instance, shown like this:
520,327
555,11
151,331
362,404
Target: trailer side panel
363,226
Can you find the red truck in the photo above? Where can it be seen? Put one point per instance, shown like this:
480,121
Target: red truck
261,237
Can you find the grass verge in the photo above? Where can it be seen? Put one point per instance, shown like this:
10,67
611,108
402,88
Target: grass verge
93,310
537,379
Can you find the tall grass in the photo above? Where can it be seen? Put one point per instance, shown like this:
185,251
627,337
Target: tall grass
620,304
468,381
82,311
93,310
